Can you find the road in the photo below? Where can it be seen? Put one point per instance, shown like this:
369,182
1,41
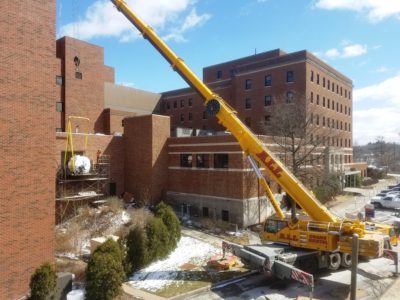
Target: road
374,276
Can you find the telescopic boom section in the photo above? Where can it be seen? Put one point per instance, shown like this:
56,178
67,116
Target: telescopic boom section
227,117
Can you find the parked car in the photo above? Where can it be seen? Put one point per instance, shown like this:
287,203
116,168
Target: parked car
395,189
389,201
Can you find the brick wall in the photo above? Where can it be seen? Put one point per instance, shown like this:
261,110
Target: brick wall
107,144
146,157
113,120
84,97
27,106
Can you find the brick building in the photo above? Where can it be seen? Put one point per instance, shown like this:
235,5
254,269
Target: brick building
27,105
44,82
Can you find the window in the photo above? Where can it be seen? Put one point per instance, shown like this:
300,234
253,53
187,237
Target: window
59,106
247,103
268,100
329,84
78,75
205,212
190,102
190,116
333,87
267,120
247,84
202,160
345,93
225,215
323,121
289,76
219,74
317,78
323,82
349,95
328,122
341,108
182,117
247,121
175,104
221,161
317,99
268,80
345,110
312,76
182,103
349,111
312,118
329,103
341,91
333,105
312,97
323,101
341,125
186,160
204,115
317,119
289,97
59,80
168,105
59,130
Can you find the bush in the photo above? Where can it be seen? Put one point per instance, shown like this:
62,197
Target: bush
136,249
330,187
105,272
158,243
170,220
104,277
43,282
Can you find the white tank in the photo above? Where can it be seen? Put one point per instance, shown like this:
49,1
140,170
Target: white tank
82,165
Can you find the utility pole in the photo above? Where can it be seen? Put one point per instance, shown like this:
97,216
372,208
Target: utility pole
354,263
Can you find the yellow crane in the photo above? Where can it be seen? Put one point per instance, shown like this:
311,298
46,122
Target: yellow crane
320,230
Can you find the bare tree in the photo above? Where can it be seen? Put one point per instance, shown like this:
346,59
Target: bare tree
303,134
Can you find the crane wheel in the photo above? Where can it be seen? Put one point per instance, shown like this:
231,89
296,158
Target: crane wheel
346,260
334,261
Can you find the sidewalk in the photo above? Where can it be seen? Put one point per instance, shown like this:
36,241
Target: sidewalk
393,291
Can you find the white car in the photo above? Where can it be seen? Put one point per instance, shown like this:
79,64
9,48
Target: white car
389,201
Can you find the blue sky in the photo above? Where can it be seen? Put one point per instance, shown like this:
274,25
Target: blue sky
360,38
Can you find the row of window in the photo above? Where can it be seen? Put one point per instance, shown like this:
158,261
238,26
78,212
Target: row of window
330,141
289,98
326,83
248,83
181,103
221,160
326,102
330,123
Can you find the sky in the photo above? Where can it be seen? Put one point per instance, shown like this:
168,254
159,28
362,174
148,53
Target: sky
359,38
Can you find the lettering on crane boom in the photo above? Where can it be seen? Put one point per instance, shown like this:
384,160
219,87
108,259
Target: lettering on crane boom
269,162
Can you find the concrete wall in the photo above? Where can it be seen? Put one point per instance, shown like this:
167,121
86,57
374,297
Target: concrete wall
27,118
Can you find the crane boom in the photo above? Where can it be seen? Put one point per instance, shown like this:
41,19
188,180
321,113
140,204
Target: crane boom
228,118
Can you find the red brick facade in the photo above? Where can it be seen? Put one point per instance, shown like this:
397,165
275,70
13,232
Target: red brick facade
245,84
27,106
146,156
82,95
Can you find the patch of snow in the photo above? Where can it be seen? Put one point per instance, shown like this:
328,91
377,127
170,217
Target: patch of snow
69,255
163,272
76,295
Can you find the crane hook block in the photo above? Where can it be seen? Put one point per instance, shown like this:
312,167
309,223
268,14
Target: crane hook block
213,107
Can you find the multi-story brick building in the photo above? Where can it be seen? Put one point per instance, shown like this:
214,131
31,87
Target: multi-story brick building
45,82
27,105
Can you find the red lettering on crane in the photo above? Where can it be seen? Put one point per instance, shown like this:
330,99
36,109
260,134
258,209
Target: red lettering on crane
269,163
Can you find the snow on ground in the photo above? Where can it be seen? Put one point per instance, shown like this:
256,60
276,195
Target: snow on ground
163,272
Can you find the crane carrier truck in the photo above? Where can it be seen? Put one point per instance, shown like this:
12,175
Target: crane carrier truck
315,239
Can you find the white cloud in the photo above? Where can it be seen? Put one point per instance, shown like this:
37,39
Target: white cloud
192,20
332,53
381,70
348,50
102,19
354,50
381,114
376,10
